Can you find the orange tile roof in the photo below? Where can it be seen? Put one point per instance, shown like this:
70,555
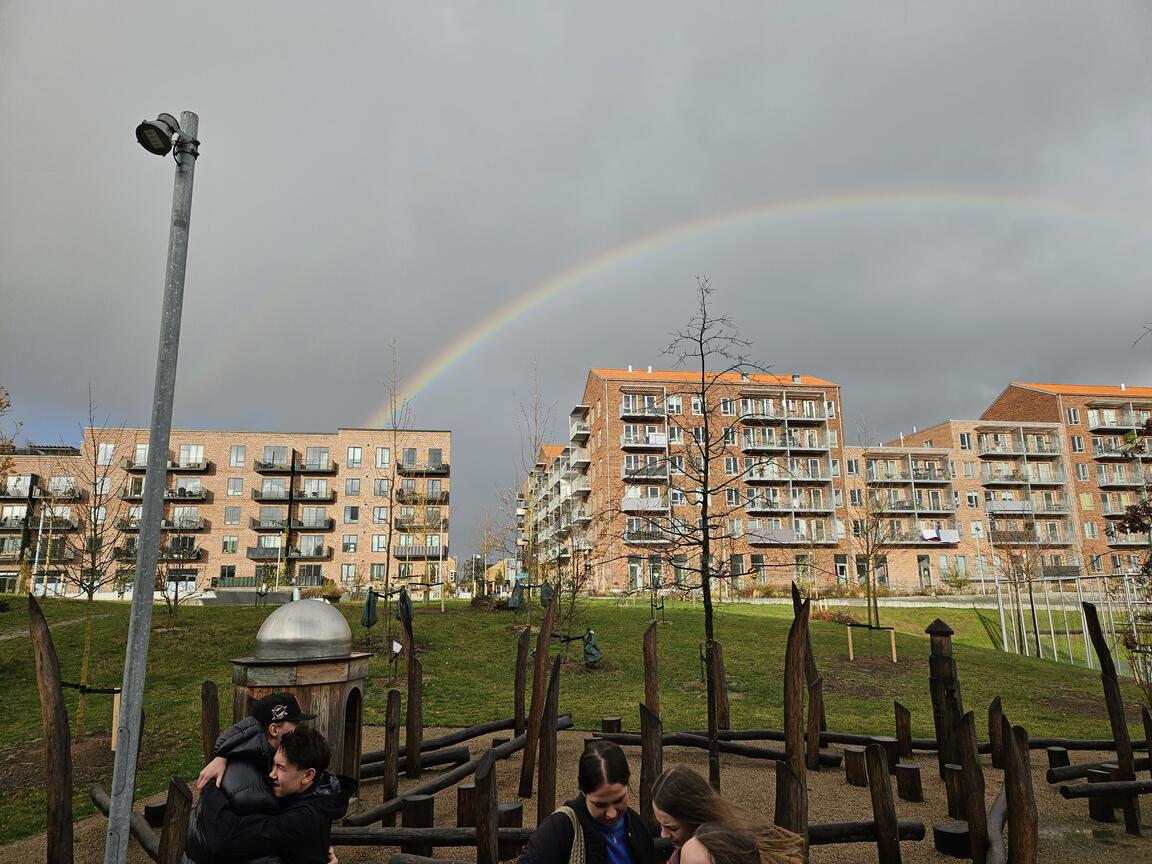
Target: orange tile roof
1088,389
551,451
661,375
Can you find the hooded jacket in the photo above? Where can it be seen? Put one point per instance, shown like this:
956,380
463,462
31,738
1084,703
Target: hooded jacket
245,781
551,842
299,832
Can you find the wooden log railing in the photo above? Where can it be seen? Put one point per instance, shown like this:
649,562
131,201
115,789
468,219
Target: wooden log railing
458,736
700,740
447,756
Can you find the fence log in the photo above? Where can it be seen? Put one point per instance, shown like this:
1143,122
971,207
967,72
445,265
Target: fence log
855,768
903,729
972,790
209,719
651,762
148,839
546,770
815,712
883,808
995,712
459,736
723,709
700,740
510,814
521,681
174,834
487,809
539,694
908,785
466,805
1022,818
954,790
414,715
447,756
390,753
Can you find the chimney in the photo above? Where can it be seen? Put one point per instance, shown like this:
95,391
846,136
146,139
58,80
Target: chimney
649,370
1121,386
913,430
629,367
795,378
744,376
901,439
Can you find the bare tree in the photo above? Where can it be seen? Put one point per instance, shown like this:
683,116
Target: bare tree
176,574
1019,553
6,438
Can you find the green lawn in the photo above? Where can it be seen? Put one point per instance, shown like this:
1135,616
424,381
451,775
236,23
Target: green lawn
468,661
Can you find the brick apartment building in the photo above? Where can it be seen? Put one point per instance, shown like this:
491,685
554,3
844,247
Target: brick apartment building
1035,478
239,506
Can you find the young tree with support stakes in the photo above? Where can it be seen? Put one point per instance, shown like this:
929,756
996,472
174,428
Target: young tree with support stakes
177,579
872,534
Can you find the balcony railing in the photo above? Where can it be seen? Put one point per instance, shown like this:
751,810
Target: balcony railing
810,505
928,505
60,523
310,552
1139,538
15,523
641,503
421,497
772,536
642,412
266,524
182,524
761,505
647,536
65,493
184,494
189,466
301,466
312,524
325,495
128,494
274,494
893,505
240,582
760,474
265,553
273,467
1121,420
1108,452
882,476
422,469
644,472
1125,481
800,416
581,488
657,440
1014,447
756,415
756,444
179,553
928,475
424,553
578,429
1001,477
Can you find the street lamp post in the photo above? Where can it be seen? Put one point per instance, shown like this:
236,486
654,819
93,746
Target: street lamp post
159,137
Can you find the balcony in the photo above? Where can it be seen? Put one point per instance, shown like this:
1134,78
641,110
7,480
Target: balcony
641,412
422,497
808,444
1028,538
581,488
796,417
883,476
647,537
655,441
130,464
301,466
761,505
179,553
759,415
811,505
762,474
16,523
273,494
181,493
995,507
1047,478
930,505
310,553
17,492
762,444
422,469
1002,477
326,496
1113,510
311,525
645,472
7,554
1109,452
809,477
931,475
60,523
580,458
67,493
1059,505
1137,539
274,467
946,535
893,505
773,537
189,467
1042,448
582,517
412,525
265,553
1120,421
1122,482
1015,447
579,430
419,553
266,524
182,524
643,503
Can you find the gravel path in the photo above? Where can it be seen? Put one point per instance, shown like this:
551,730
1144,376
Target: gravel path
1066,835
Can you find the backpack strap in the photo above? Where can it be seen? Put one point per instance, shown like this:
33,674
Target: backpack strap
577,854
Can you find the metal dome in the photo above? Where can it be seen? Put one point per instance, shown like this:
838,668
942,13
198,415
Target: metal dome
302,630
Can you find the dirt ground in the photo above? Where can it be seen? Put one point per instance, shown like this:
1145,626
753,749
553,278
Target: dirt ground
1066,834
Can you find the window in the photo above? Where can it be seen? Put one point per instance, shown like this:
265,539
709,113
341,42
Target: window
351,515
1090,531
697,407
974,500
276,456
1081,471
1074,416
99,514
965,440
675,404
103,485
732,497
380,487
676,496
857,527
728,407
730,436
830,408
235,486
378,572
227,571
1088,501
231,515
977,530
675,435
1077,443
409,456
355,457
191,454
852,467
228,544
379,515
379,542
105,454
349,543
352,486
348,572
969,470
856,497
383,457
237,456
698,434
731,467
804,568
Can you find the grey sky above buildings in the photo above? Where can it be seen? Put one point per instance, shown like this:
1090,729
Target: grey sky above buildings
920,202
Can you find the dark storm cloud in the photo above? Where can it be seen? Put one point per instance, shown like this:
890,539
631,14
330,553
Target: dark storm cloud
380,171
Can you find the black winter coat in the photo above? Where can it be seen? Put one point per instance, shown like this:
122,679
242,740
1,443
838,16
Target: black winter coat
551,843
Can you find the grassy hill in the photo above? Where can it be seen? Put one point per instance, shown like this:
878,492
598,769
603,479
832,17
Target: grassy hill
468,661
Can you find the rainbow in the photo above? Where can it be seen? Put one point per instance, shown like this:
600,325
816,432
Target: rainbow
694,229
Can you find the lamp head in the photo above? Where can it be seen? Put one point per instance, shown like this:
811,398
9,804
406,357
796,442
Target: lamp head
156,136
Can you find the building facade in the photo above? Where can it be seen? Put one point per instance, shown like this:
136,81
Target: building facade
241,509
1030,485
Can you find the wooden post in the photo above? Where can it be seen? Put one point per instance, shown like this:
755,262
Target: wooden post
975,813
416,811
1116,718
995,732
1057,757
892,637
1022,819
791,779
723,713
116,719
883,808
609,725
811,673
209,719
954,790
1100,806
546,770
177,810
908,785
414,715
942,681
391,777
815,712
851,655
510,814
651,681
520,681
539,685
466,805
651,762
487,815
57,744
855,768
903,729
1146,717
891,748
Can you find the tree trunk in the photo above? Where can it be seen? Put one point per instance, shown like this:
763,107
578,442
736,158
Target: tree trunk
79,728
710,677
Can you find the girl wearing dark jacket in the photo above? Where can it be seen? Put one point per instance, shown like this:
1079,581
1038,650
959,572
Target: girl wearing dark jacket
610,832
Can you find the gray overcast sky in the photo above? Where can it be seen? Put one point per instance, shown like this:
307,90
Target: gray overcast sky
388,170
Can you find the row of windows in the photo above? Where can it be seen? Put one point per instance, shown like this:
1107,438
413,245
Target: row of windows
313,574
193,454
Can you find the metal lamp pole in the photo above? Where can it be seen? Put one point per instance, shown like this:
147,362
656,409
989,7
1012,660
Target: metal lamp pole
157,137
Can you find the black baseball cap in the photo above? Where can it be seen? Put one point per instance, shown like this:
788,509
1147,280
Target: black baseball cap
279,708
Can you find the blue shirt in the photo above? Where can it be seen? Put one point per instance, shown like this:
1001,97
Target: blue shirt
616,839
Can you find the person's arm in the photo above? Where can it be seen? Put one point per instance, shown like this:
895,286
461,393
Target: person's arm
258,834
212,772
